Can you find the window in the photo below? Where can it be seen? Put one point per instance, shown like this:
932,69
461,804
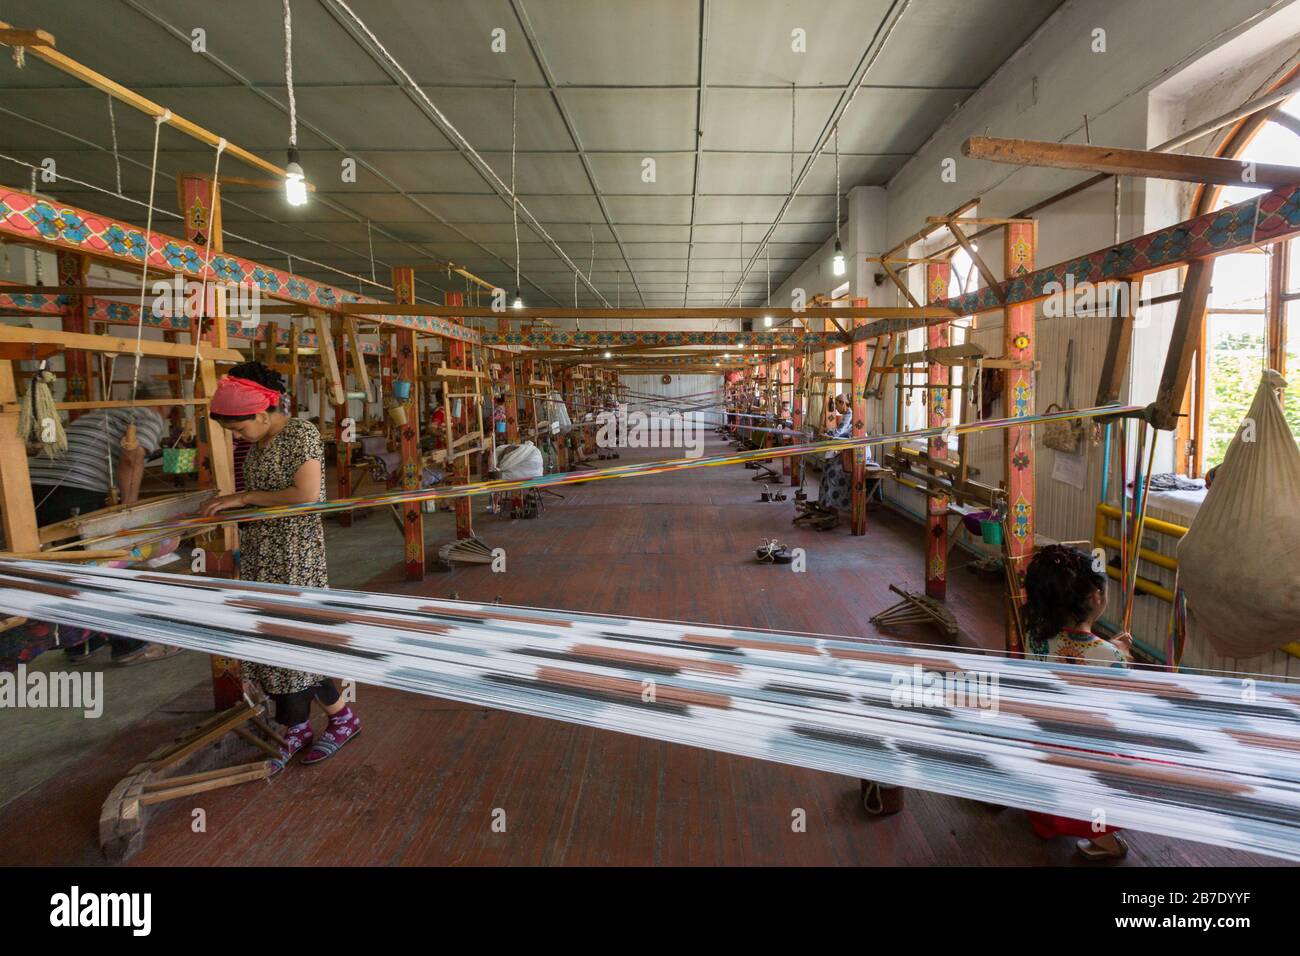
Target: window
1251,318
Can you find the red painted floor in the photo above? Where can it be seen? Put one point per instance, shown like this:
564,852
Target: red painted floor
431,782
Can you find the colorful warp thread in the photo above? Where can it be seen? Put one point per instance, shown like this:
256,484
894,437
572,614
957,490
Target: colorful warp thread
1187,756
625,471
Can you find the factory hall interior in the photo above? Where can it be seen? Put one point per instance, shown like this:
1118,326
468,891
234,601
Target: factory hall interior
650,433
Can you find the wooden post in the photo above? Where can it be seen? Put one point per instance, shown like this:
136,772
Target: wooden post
458,358
404,361
343,422
796,413
294,372
19,512
860,366
785,377
387,345
219,546
941,408
1021,242
76,363
215,450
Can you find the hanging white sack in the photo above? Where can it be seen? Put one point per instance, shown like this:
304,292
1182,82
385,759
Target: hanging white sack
1239,562
516,462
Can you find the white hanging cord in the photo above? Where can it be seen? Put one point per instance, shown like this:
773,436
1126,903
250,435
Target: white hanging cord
207,264
514,199
767,255
370,242
837,182
742,256
117,160
148,236
288,74
792,127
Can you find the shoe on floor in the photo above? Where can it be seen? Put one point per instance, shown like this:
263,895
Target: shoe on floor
85,651
148,654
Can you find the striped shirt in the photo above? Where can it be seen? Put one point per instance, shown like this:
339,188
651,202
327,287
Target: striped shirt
92,438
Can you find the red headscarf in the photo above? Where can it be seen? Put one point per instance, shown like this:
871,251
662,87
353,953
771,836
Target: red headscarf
242,396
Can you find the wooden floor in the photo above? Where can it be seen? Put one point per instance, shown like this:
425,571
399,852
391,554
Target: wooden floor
431,782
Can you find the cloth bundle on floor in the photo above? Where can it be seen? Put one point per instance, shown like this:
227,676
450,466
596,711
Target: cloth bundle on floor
1240,560
1180,754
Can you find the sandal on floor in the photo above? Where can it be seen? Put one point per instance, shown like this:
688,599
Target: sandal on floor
773,552
327,746
293,744
1091,852
148,653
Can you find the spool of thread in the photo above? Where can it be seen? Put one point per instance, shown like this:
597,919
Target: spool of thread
129,440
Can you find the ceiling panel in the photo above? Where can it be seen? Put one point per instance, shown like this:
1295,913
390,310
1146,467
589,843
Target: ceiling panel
627,75
617,42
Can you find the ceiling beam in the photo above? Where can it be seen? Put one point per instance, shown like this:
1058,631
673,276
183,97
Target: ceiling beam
1130,162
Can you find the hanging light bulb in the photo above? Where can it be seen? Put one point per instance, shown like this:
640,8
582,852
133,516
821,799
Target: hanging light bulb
519,301
767,321
837,262
609,355
295,181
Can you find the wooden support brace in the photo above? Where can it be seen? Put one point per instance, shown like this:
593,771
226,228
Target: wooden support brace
1182,344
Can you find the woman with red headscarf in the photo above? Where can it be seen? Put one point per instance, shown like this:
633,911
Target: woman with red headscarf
285,466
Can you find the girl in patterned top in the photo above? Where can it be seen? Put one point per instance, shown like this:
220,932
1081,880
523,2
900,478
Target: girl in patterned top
285,466
1066,595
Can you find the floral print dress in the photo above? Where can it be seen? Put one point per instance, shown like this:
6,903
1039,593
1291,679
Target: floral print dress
1072,646
283,550
836,490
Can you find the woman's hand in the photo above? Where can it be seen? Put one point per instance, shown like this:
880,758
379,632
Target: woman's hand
222,503
1124,641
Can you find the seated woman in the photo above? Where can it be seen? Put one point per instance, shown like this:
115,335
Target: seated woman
836,490
1065,597
285,466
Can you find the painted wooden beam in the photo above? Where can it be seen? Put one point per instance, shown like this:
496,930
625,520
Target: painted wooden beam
1263,219
1019,342
941,404
1115,161
57,226
662,339
702,316
406,368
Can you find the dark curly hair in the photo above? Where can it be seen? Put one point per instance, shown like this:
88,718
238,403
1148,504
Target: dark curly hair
1059,585
263,375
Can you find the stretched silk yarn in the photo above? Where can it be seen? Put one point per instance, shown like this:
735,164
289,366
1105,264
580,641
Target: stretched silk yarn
1184,755
1239,563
